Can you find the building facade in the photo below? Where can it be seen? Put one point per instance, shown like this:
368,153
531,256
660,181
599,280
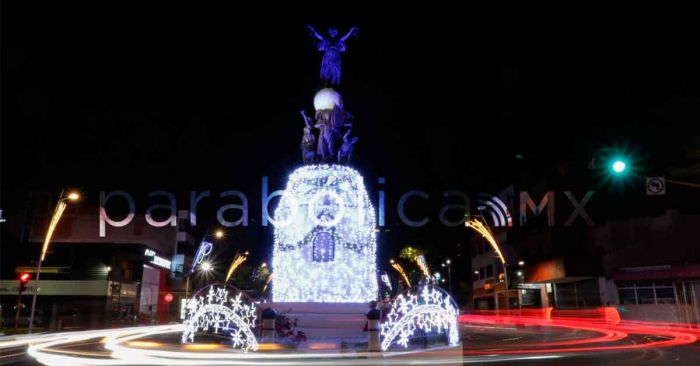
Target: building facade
647,267
88,281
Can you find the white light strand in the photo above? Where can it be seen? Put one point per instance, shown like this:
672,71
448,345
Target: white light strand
432,311
220,312
324,241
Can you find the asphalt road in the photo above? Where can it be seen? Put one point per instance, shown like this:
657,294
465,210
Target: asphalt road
503,343
493,344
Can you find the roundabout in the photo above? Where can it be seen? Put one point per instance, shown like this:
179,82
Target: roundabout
157,345
514,340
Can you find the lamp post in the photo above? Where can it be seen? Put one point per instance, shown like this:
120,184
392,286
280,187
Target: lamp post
55,218
448,264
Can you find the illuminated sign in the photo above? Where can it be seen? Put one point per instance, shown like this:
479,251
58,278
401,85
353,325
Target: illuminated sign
202,252
158,261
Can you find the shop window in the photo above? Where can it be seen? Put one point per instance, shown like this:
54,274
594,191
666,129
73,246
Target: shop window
627,296
665,295
645,296
646,292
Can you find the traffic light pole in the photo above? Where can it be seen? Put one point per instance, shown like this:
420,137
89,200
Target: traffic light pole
36,290
19,304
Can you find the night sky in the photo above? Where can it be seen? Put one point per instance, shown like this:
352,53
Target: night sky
180,99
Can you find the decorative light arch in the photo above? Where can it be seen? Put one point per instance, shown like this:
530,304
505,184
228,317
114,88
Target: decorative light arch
217,311
428,308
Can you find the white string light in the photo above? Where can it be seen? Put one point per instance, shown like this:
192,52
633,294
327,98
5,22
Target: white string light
432,311
219,312
324,240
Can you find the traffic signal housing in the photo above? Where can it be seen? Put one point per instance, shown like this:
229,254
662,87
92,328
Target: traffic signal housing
619,166
24,278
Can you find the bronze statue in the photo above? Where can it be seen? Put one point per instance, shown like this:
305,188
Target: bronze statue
332,47
308,154
333,144
345,151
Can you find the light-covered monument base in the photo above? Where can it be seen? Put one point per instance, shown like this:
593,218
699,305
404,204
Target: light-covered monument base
325,245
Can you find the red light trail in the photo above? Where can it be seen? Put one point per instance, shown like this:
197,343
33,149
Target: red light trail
604,321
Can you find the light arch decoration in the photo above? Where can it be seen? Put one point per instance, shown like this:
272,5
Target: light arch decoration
428,309
212,309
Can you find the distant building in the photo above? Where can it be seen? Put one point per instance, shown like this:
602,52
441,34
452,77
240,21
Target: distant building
648,267
492,285
654,263
89,281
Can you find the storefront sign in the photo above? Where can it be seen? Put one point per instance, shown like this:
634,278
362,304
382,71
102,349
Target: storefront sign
158,261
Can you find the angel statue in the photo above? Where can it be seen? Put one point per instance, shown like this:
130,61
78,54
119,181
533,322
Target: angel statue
332,46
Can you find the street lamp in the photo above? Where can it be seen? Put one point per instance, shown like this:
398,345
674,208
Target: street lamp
447,264
55,218
206,267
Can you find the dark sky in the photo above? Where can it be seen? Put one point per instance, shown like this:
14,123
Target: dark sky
182,98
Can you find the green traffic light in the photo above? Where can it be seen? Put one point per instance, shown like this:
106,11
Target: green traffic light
619,166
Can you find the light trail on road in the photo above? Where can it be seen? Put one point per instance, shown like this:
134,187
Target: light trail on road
605,321
586,332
